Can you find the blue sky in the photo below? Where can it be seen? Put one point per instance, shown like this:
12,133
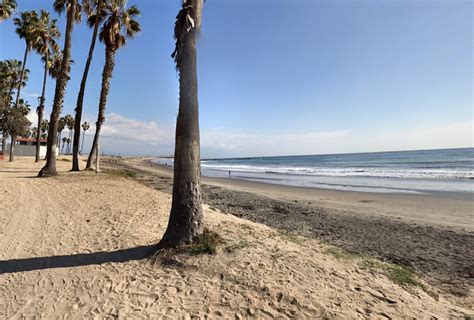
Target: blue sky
284,77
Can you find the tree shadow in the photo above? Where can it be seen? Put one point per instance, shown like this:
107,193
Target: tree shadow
76,260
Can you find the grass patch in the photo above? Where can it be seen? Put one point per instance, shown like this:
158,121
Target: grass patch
67,160
403,276
340,254
372,264
288,237
237,246
121,173
205,243
130,174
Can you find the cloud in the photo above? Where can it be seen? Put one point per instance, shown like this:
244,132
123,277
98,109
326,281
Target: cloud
125,136
121,135
31,95
218,143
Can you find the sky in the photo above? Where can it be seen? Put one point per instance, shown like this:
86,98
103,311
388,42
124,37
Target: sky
282,77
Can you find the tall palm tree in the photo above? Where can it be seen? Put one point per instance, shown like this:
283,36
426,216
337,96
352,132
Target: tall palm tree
71,8
7,7
85,127
25,26
119,25
186,217
95,11
46,31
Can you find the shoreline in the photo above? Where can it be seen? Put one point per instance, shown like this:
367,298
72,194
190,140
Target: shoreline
452,188
459,203
410,230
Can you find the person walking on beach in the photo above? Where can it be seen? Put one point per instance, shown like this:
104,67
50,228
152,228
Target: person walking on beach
229,174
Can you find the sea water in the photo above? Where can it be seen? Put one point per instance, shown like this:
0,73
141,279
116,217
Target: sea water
447,170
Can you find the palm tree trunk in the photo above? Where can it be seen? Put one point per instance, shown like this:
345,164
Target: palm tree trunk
83,136
4,142
41,108
186,217
58,142
80,96
106,76
12,148
22,74
50,168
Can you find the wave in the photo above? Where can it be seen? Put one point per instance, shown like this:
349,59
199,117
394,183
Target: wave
347,171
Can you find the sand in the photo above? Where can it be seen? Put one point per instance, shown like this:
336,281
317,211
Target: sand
434,234
75,247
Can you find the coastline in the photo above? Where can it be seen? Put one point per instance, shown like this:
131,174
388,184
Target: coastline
412,230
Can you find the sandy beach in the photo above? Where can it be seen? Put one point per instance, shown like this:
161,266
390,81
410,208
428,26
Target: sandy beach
78,246
430,233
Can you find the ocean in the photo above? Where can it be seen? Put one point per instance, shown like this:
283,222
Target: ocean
424,171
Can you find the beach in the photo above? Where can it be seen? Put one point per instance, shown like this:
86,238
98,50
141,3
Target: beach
430,233
80,245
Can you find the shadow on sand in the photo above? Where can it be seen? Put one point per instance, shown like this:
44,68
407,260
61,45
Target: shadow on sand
76,260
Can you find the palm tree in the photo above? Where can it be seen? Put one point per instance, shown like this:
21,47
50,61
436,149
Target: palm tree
46,31
34,130
64,142
71,7
7,7
186,217
17,124
61,126
54,64
10,72
85,127
25,26
43,129
69,121
68,148
119,25
95,11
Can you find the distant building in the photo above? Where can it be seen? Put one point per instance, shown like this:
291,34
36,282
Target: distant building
27,147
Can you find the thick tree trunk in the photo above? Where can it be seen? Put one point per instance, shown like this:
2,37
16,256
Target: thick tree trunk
50,168
80,97
186,217
104,92
12,148
22,74
41,108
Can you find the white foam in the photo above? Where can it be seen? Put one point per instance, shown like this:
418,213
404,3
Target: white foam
348,172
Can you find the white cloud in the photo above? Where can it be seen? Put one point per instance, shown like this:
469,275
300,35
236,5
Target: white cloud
121,135
218,143
31,95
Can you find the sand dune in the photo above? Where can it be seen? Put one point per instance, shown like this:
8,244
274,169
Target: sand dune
73,246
